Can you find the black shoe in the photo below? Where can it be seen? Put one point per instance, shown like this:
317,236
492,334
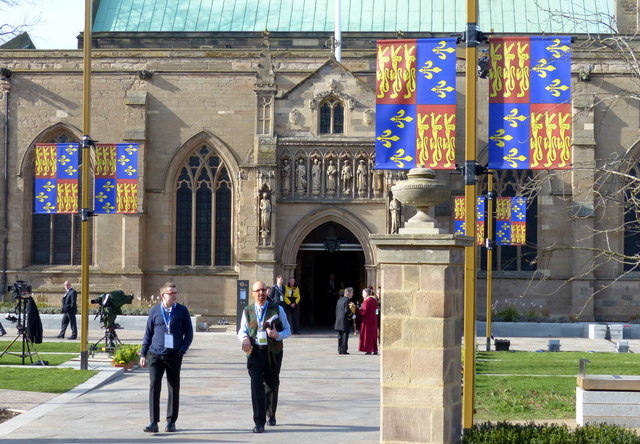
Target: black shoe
367,353
346,353
258,429
71,338
60,336
152,428
272,422
171,427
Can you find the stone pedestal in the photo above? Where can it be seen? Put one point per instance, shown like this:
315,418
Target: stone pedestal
422,307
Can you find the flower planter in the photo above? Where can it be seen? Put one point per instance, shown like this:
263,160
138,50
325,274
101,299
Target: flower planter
127,366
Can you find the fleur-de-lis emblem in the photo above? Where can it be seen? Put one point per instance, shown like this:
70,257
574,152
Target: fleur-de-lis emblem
542,68
442,49
70,170
108,186
386,138
48,186
556,49
512,157
499,138
108,208
399,158
123,160
64,160
130,170
555,88
100,197
441,89
70,149
42,197
130,149
429,70
513,117
48,207
462,228
400,118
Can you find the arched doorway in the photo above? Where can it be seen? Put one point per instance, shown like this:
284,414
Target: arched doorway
329,259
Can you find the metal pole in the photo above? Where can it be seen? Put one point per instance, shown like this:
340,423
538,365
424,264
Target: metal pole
86,165
5,224
489,243
470,171
337,34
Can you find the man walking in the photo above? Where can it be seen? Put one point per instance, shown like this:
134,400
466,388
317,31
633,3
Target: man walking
69,311
344,321
167,338
263,327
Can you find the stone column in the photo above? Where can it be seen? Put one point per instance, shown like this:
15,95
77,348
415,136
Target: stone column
422,307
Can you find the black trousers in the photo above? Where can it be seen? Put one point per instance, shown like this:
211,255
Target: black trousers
69,319
158,364
343,342
264,371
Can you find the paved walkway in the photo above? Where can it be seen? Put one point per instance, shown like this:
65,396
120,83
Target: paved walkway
324,398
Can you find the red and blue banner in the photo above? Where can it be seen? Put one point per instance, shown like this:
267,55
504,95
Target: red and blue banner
416,103
56,178
530,103
116,178
459,223
511,221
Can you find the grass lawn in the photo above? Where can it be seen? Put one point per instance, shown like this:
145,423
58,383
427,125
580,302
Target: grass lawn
529,385
55,353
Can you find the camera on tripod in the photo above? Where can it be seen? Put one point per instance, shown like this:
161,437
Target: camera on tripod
19,289
111,306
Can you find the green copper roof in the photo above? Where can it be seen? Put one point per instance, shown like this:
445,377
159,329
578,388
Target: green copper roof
503,16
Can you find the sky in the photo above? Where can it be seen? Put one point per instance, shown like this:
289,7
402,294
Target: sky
57,23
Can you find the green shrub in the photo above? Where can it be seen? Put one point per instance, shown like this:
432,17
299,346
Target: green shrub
531,433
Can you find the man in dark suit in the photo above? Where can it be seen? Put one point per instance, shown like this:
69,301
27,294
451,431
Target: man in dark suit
69,311
344,321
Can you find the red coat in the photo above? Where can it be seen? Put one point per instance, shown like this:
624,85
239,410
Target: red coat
368,326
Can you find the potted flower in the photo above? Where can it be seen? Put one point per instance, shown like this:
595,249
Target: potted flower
126,355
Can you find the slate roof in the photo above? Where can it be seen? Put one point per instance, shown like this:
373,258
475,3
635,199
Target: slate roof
439,16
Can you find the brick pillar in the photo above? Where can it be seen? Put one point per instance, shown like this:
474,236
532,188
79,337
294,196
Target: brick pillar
422,307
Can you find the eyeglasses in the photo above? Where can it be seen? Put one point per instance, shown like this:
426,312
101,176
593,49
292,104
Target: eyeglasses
171,292
259,289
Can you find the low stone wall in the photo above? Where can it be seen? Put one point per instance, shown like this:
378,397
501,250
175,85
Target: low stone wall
133,323
555,329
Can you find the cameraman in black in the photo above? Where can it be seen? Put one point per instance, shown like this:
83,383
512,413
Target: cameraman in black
69,311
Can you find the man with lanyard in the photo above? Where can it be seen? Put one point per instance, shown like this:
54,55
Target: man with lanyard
277,291
263,327
167,338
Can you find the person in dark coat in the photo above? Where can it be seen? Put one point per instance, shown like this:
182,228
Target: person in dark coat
344,321
69,311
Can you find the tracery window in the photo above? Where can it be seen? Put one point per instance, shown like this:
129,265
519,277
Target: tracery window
509,183
203,210
631,223
331,117
55,238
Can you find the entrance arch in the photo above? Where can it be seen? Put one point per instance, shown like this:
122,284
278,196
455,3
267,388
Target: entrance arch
326,242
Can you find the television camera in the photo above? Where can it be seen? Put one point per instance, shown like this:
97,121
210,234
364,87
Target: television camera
28,323
110,306
19,289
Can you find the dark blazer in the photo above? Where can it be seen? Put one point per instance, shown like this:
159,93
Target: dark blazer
69,302
343,323
276,295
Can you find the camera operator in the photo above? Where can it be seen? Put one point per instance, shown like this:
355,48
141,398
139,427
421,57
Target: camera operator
69,311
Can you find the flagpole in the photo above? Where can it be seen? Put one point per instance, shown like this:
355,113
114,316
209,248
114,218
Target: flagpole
86,165
337,33
489,244
470,179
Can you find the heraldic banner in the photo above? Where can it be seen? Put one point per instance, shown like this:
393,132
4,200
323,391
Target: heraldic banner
116,178
56,178
530,103
416,104
459,223
511,221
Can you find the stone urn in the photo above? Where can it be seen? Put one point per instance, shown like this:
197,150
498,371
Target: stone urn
422,191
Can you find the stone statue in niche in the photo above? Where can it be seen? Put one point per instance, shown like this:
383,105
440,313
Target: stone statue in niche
301,177
315,177
346,176
332,173
394,208
265,215
286,176
361,178
378,180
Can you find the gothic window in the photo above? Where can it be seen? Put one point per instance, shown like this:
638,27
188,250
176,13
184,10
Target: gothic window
55,238
631,224
331,117
509,183
203,210
264,116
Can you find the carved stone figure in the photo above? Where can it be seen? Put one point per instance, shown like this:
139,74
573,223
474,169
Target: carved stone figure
315,177
361,178
286,177
301,177
347,176
394,208
367,117
332,173
378,181
295,116
265,215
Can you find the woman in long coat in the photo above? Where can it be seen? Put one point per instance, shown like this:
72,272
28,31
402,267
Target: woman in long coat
368,324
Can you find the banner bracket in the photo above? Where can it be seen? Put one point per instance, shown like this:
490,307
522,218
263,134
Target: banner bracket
86,213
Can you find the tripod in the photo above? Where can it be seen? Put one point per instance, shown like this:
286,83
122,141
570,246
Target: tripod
110,339
27,345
